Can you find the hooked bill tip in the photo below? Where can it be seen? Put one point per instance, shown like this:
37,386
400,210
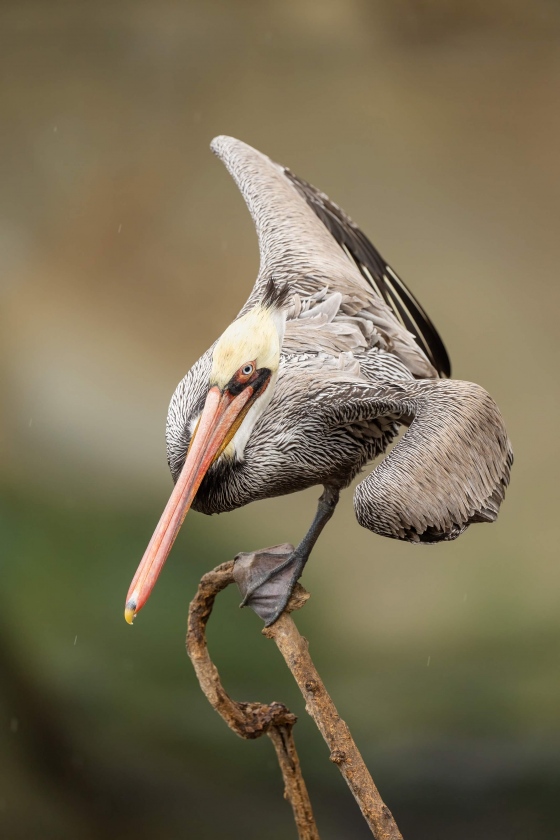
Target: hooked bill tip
130,612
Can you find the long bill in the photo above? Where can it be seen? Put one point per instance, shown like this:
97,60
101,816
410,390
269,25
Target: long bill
222,415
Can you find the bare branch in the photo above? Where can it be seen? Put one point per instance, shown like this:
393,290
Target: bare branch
295,790
344,752
248,720
251,720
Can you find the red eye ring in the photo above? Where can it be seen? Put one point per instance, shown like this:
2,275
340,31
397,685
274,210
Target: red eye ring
248,369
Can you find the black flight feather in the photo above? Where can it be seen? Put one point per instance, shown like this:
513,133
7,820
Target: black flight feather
381,277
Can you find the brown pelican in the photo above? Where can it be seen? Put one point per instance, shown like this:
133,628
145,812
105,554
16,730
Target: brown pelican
328,357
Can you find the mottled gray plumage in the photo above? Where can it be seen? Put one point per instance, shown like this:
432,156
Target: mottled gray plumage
360,358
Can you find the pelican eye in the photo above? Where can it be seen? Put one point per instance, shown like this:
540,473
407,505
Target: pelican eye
247,370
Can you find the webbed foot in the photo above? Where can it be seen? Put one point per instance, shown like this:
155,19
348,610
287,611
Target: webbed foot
266,579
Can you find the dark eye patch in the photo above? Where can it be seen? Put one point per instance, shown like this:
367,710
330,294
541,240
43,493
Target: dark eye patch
256,381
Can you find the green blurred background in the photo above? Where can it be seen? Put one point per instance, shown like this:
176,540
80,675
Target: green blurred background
125,250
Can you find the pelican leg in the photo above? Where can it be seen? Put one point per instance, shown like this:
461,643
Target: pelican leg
268,590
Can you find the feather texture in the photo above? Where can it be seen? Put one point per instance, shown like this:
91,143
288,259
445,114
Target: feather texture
359,358
298,250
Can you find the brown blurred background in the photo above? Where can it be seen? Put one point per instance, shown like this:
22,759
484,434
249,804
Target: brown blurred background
125,249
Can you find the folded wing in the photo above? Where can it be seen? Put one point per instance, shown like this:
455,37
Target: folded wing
449,470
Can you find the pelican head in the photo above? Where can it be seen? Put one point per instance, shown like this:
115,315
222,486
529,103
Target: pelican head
243,374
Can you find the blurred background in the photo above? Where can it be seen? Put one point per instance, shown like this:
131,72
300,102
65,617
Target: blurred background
125,249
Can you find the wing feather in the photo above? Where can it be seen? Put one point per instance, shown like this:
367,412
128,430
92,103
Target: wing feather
449,470
308,244
382,278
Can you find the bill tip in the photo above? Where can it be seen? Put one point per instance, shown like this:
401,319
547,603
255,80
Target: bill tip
130,612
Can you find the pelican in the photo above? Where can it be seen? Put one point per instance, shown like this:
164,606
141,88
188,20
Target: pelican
330,355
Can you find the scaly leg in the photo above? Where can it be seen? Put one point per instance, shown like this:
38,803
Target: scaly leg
295,562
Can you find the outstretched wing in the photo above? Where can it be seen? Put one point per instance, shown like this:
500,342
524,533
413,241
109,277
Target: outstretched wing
382,278
344,296
449,470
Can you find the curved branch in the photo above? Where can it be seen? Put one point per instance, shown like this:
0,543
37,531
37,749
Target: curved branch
248,720
251,720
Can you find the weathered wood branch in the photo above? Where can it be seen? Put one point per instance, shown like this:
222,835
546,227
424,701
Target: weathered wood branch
251,720
344,752
248,720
